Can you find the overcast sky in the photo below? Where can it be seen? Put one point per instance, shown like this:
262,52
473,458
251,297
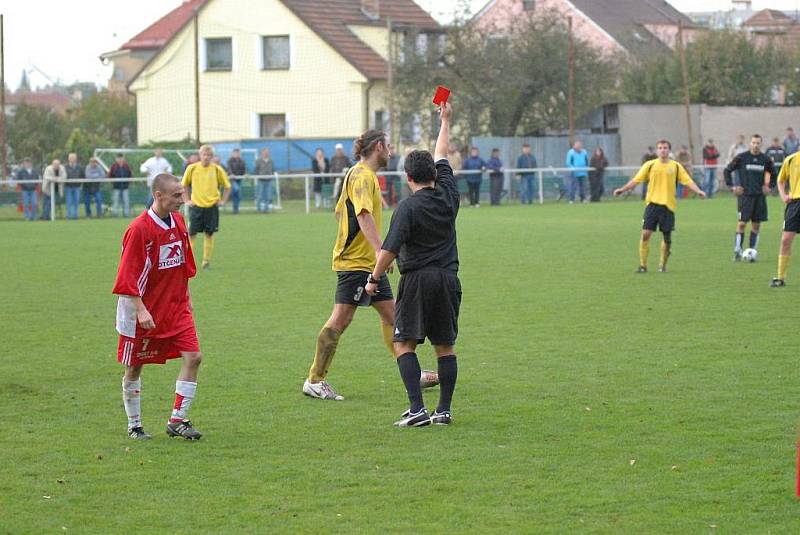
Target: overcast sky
64,41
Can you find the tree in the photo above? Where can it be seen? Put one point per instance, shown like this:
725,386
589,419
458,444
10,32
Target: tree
505,84
108,117
725,68
37,132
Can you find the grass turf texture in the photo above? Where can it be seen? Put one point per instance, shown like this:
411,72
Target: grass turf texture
589,397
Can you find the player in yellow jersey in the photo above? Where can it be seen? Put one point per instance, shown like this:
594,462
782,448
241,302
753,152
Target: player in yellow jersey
358,241
661,176
203,179
790,171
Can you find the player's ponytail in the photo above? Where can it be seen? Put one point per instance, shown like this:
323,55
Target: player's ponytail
366,143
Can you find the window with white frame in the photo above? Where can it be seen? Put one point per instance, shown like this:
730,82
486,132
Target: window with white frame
275,52
219,54
272,125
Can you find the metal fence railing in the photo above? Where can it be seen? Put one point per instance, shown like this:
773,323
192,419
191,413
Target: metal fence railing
310,192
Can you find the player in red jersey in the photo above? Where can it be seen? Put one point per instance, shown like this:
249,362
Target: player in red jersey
154,311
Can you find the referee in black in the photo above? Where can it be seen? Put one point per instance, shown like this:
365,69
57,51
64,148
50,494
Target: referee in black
422,236
750,174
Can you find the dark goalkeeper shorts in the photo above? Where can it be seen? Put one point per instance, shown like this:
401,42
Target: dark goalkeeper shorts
658,217
203,219
752,208
428,301
791,217
350,289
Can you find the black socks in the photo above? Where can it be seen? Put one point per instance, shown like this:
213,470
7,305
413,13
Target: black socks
448,373
410,372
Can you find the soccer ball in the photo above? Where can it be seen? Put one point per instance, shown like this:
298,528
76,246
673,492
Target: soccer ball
749,255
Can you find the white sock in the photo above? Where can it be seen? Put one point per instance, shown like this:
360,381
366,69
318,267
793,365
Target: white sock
131,398
184,394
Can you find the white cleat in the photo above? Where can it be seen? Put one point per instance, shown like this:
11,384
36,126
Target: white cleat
321,390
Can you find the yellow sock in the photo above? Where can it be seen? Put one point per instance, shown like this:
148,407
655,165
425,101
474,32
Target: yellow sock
208,248
327,340
192,240
644,251
387,330
783,265
664,254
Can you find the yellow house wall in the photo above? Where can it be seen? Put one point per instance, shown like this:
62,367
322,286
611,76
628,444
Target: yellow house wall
321,94
375,36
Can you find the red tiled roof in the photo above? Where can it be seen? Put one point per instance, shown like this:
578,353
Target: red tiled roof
57,102
161,31
769,18
329,19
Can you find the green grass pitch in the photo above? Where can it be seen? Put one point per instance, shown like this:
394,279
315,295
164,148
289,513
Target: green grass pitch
590,398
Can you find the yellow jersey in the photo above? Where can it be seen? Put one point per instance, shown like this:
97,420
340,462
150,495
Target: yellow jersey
361,192
205,183
790,170
662,179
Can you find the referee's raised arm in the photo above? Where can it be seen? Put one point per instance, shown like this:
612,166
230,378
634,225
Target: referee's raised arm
443,141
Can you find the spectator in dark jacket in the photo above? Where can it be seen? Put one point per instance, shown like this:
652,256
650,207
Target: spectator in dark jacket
495,167
598,163
526,160
474,163
73,189
236,170
777,154
27,172
119,193
319,165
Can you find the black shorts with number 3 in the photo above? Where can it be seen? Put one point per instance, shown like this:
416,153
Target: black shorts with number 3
658,217
791,217
752,208
350,289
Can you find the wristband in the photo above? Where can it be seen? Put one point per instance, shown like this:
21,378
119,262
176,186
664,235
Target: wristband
371,279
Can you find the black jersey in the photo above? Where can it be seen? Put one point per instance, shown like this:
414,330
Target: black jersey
423,229
750,169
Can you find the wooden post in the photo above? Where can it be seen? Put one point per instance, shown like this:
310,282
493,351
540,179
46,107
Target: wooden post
571,83
196,79
686,102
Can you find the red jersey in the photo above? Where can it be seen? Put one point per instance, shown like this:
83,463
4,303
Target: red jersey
156,265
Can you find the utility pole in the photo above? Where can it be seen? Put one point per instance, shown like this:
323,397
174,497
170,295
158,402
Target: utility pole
3,154
686,102
196,79
390,80
571,83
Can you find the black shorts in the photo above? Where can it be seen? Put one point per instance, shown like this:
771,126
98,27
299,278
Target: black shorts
428,301
752,208
791,217
350,289
203,219
658,217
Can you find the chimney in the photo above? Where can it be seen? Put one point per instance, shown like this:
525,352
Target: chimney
371,8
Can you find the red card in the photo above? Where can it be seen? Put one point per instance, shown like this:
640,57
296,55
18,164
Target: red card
442,93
